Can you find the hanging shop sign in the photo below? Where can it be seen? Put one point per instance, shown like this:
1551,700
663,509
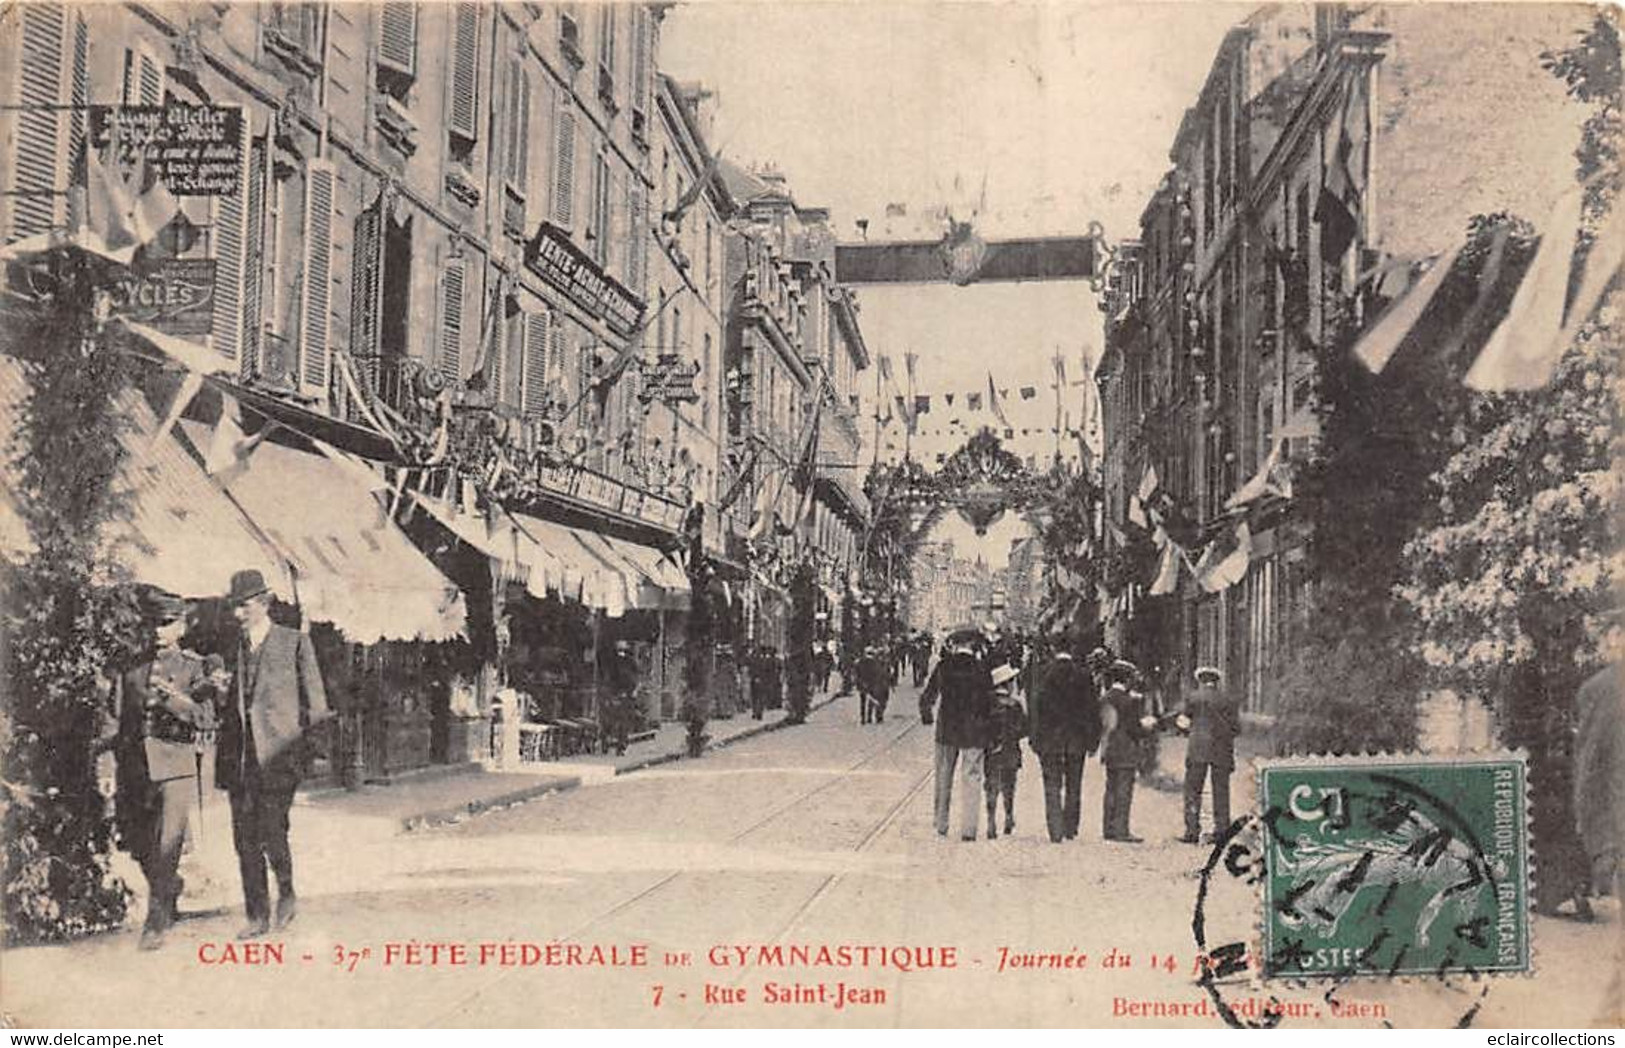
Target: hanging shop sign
175,296
670,380
196,149
555,258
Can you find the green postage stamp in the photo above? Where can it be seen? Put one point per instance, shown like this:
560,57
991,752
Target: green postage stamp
1395,866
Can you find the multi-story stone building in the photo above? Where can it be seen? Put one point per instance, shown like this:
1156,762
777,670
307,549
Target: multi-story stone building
1307,115
794,351
458,219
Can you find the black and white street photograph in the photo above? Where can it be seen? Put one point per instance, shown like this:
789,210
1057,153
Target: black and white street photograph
706,514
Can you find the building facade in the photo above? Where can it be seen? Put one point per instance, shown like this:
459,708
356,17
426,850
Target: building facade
1295,177
463,227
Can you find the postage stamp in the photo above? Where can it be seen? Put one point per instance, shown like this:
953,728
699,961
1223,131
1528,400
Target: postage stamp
1394,866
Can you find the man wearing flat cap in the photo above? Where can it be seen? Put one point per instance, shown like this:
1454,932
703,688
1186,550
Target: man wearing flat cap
276,697
1213,720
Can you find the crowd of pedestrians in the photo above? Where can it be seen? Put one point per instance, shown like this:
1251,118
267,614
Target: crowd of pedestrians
1076,708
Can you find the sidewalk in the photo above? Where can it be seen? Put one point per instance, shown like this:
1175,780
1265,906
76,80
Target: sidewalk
437,798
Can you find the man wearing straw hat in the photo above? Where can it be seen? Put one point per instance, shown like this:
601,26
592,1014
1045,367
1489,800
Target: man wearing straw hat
276,697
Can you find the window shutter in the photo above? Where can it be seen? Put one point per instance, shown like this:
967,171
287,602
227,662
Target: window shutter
367,284
640,59
534,390
453,279
320,185
398,37
518,126
564,167
637,231
80,93
511,385
556,337
230,245
253,269
36,171
463,113
524,132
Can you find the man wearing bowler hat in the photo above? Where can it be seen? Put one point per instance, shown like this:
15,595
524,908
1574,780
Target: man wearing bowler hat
276,697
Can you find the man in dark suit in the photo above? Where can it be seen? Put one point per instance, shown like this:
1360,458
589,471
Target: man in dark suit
1214,721
965,685
1064,713
276,697
1125,726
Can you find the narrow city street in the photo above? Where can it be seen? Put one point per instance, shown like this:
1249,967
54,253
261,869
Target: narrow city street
814,835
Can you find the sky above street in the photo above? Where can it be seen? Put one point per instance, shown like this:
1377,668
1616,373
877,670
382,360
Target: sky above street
1031,118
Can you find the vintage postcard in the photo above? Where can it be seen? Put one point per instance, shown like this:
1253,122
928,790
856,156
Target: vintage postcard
1078,513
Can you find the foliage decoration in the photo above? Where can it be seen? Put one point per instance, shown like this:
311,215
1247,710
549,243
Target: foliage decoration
68,618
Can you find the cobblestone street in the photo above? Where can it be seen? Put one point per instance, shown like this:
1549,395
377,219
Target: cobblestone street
819,834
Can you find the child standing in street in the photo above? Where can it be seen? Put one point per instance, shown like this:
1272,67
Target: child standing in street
1002,759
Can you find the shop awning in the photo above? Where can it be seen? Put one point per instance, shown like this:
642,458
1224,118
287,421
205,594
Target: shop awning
657,581
353,567
176,529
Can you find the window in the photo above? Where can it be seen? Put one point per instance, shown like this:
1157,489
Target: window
397,48
463,107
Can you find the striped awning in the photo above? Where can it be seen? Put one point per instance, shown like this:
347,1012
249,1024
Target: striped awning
572,564
350,564
174,529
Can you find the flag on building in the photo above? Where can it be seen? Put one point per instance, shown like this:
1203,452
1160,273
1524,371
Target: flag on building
1339,207
993,399
1378,345
1167,577
1523,349
922,404
1028,392
1137,502
1224,562
974,401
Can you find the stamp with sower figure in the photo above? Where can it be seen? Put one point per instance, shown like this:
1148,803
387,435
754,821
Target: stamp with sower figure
1394,866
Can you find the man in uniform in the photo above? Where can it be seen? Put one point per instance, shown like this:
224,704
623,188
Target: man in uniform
161,705
1125,727
276,698
1064,713
963,682
1213,720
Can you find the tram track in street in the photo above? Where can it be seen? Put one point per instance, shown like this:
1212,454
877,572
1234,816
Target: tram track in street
772,817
